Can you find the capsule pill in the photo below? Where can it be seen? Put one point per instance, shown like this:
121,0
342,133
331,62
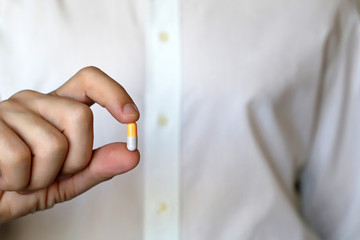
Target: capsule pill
131,137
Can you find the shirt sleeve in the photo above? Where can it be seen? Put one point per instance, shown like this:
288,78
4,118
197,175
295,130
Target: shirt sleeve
330,182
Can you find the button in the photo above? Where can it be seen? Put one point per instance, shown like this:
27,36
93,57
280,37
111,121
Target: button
164,37
163,120
162,208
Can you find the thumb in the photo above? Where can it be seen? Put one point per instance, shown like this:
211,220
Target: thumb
108,161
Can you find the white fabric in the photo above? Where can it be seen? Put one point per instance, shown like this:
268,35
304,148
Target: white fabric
262,95
162,121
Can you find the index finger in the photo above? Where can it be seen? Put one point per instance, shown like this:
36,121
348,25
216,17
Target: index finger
91,85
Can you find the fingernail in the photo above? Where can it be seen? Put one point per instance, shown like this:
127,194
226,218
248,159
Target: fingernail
130,109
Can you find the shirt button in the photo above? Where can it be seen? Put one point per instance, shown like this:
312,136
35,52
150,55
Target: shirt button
162,208
162,120
164,37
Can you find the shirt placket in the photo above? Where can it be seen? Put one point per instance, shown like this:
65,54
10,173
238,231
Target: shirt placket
162,121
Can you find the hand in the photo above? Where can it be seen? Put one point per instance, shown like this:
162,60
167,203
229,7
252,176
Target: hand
46,142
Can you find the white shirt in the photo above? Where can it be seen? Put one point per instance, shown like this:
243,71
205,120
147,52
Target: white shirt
241,101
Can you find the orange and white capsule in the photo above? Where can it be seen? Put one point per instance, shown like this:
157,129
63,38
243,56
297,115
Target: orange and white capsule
131,137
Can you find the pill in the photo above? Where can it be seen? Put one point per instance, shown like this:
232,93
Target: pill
131,137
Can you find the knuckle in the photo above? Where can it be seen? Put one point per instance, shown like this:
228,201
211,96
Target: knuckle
81,114
90,69
24,94
89,72
9,104
19,155
57,144
20,101
89,76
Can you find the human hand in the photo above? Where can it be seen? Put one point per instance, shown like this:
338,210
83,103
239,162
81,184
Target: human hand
46,142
